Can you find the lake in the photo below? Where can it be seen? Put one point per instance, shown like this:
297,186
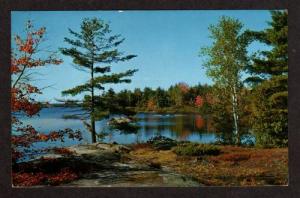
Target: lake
191,127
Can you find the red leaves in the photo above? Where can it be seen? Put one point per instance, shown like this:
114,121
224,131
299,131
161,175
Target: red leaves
28,179
33,38
27,46
65,175
199,101
199,122
40,32
14,66
30,135
22,100
26,49
40,178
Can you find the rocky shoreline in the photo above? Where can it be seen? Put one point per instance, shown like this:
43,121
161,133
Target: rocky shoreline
160,162
120,170
106,165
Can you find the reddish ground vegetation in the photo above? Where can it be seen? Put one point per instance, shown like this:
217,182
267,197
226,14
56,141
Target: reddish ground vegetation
63,151
235,166
33,179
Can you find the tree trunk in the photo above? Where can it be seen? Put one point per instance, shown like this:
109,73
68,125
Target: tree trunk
235,114
93,132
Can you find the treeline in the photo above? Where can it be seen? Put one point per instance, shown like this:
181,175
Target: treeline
177,98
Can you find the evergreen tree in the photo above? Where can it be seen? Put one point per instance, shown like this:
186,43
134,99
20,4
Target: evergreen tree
94,49
269,75
137,96
161,98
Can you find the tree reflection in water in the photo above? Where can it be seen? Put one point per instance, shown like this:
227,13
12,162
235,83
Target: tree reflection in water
176,126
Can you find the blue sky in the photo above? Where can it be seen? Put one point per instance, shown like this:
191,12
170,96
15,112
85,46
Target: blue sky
166,43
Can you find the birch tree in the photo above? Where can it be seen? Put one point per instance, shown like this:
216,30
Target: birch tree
224,61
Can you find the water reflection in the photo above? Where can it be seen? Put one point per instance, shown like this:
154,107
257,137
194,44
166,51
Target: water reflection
191,127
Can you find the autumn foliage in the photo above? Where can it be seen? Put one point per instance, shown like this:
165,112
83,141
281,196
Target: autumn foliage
184,88
41,178
23,60
199,101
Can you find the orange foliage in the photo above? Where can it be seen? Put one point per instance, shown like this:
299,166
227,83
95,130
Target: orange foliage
22,92
151,104
199,122
183,87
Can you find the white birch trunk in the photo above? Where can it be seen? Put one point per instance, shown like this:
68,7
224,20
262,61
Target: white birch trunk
235,111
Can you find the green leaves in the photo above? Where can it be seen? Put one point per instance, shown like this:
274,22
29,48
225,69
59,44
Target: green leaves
225,60
226,57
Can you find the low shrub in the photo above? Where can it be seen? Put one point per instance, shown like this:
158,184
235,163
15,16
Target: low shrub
162,143
194,149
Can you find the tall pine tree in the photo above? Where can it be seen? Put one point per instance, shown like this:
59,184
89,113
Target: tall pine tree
269,75
94,49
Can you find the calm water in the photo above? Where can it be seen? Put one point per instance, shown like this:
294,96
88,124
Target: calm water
176,126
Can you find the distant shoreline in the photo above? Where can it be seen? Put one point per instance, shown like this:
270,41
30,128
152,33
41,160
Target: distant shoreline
183,109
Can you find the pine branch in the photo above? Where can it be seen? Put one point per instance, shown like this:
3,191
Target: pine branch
102,69
77,90
78,57
115,78
79,36
77,43
112,56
